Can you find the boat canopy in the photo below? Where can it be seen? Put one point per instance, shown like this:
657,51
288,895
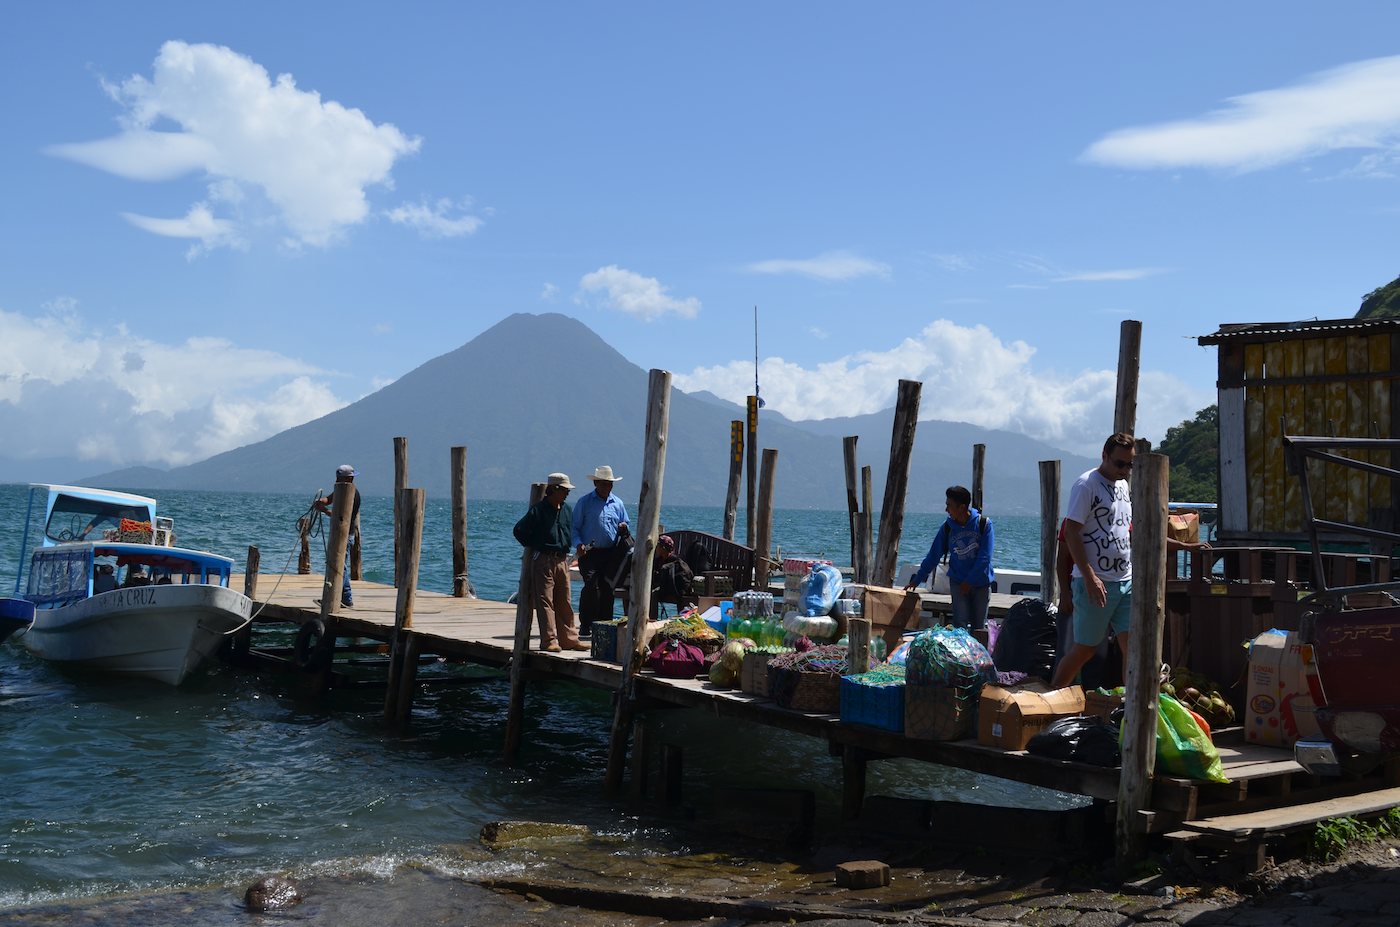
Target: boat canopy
63,574
73,513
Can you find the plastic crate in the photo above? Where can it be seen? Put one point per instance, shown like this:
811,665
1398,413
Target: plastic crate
878,705
604,641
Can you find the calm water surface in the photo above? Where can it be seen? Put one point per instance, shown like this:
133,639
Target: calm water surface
117,787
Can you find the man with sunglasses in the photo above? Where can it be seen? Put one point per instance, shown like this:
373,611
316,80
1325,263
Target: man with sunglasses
1098,532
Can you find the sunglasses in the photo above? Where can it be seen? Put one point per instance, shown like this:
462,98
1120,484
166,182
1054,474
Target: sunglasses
1122,464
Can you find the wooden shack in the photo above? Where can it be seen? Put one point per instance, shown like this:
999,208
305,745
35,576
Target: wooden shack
1334,377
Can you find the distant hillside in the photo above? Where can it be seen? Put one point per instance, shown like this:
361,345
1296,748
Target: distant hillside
539,393
1381,303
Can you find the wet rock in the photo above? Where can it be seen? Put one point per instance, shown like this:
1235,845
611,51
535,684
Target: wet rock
498,834
271,892
866,873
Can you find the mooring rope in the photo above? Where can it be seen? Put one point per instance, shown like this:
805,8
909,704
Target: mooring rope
313,528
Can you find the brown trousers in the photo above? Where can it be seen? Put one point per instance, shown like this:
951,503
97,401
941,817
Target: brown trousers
549,584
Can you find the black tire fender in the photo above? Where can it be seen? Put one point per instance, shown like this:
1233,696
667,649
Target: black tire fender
312,651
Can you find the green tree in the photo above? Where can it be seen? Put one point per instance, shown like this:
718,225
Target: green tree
1381,303
1194,449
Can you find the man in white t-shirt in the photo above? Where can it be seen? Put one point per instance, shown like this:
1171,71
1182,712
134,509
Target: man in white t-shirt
1098,532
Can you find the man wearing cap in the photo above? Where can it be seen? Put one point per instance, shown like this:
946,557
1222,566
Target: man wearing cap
545,529
597,517
344,474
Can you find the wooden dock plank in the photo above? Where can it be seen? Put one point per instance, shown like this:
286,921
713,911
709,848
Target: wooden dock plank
1277,820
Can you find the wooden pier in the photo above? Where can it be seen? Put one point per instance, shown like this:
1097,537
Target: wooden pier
1263,780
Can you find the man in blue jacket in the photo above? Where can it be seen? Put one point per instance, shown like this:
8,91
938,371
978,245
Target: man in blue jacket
967,539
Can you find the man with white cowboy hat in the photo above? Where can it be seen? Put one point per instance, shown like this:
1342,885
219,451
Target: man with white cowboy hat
597,518
546,530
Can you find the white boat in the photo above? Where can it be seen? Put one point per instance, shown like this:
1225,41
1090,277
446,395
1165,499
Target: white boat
158,612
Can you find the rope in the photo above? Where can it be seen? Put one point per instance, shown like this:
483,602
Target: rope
313,515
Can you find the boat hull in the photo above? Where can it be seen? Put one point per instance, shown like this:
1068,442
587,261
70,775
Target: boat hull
14,615
156,632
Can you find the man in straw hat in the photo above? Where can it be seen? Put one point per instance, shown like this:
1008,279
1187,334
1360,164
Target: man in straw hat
597,518
545,529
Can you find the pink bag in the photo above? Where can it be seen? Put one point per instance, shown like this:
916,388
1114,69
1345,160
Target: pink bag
678,660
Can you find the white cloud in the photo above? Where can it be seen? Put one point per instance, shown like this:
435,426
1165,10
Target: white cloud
125,399
1132,274
833,265
953,262
819,333
969,375
1026,286
550,291
311,159
1354,106
431,221
642,297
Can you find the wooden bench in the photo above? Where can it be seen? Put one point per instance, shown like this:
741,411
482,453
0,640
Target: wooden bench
731,566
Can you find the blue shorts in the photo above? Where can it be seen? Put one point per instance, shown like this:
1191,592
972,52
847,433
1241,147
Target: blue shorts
1091,623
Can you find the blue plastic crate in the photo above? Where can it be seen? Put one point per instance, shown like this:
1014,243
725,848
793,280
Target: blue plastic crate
874,705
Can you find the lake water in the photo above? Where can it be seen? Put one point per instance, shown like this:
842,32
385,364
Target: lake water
136,789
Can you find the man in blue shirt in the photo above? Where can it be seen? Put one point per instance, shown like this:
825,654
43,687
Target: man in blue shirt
967,538
597,517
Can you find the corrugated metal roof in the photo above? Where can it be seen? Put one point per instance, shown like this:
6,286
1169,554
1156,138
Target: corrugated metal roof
1259,332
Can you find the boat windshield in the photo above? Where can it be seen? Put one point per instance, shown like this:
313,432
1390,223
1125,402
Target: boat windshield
74,519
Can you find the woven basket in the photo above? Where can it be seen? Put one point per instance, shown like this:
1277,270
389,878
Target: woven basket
819,692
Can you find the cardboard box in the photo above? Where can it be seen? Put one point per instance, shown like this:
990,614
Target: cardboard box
891,611
938,712
1009,716
1279,710
753,678
1101,706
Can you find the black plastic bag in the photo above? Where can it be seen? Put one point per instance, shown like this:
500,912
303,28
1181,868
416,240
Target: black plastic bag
1081,739
1026,643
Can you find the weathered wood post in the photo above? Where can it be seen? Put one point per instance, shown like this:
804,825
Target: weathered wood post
858,634
403,675
250,572
906,419
672,757
400,484
304,558
1049,530
979,468
342,501
1144,658
736,475
355,564
763,550
641,758
524,617
751,534
1125,400
648,519
867,520
848,457
458,477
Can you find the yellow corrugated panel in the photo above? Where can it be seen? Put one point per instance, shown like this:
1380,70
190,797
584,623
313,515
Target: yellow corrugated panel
1254,434
1315,419
1293,414
1358,424
1335,362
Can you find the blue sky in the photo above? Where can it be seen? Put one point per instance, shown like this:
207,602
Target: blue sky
194,255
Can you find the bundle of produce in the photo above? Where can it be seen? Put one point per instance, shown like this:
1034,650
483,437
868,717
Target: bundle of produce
729,662
809,680
948,657
1200,695
692,629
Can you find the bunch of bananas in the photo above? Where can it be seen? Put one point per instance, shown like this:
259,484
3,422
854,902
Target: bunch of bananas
1199,694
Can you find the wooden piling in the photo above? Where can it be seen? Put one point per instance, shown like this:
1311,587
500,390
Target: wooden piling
853,761
848,458
342,501
524,617
906,420
1150,493
410,507
736,475
858,636
648,518
641,759
304,558
672,756
979,467
250,572
458,477
400,484
408,679
1049,530
1129,354
750,536
763,560
867,517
